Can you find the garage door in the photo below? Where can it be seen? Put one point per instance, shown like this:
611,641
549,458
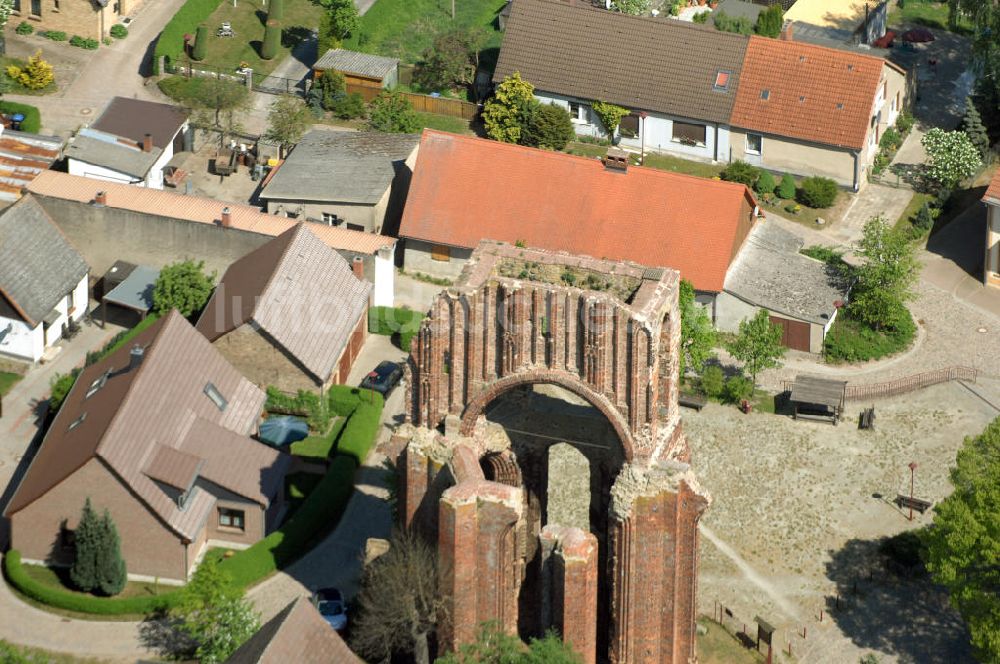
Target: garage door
794,333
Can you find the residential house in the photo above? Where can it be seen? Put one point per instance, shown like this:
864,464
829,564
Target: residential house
991,264
22,157
461,194
292,313
132,142
841,22
704,94
155,228
91,19
297,634
158,433
43,282
353,179
361,70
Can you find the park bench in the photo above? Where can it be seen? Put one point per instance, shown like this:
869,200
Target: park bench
867,420
696,401
905,502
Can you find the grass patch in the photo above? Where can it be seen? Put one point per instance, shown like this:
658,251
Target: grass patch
763,402
319,446
678,165
170,43
8,380
16,654
718,646
58,577
404,29
916,202
32,122
444,123
926,13
850,340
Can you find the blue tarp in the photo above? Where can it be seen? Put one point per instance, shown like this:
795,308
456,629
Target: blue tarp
280,430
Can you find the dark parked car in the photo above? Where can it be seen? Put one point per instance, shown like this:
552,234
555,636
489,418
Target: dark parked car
385,377
330,603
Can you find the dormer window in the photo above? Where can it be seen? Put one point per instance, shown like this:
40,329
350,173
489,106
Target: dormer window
98,383
765,94
77,422
213,393
721,80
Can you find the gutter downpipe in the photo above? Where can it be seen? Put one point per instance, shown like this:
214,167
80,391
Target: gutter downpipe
715,148
857,171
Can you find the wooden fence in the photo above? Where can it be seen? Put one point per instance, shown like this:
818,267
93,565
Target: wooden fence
909,383
423,103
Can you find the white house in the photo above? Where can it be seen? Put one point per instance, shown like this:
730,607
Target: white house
43,282
131,142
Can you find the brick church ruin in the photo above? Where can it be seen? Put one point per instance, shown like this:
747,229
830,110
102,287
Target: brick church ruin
544,454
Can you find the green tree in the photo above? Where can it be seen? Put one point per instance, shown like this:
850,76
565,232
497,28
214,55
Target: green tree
391,112
200,43
742,172
276,9
765,184
741,25
786,189
399,603
451,61
213,614
923,220
217,104
548,127
610,114
272,39
183,286
506,113
963,543
111,573
87,541
951,155
769,22
349,106
758,344
885,279
972,125
493,646
331,86
342,20
634,7
288,120
698,337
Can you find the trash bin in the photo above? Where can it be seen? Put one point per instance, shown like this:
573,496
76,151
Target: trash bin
16,120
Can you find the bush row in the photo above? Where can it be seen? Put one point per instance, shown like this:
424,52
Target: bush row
32,122
816,192
305,403
171,41
84,42
852,341
392,321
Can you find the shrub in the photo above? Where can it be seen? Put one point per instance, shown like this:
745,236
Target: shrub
119,31
391,321
890,139
107,41
713,381
549,126
769,22
742,172
81,42
817,192
54,35
904,123
200,43
726,23
170,43
786,189
793,208
349,106
391,112
738,388
765,184
828,255
700,17
923,220
272,39
24,28
850,340
35,75
304,403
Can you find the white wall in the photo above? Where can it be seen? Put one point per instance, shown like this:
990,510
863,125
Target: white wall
385,278
82,169
21,341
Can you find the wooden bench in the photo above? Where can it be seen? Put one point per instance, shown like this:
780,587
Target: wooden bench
696,401
867,419
905,502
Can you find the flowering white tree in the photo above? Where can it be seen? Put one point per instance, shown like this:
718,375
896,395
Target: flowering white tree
952,157
6,7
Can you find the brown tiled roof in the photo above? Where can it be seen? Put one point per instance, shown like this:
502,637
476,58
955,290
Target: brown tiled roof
173,467
296,635
299,292
196,209
814,93
469,189
641,63
160,402
992,194
134,118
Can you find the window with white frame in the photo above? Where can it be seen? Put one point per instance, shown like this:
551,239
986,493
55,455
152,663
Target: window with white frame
330,219
229,518
578,112
755,143
689,133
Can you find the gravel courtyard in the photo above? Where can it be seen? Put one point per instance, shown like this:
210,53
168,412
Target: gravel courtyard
794,519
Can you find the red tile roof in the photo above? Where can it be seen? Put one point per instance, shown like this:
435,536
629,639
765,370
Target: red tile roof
992,194
468,189
816,94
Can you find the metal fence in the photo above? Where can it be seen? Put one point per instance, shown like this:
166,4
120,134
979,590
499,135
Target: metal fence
277,85
909,383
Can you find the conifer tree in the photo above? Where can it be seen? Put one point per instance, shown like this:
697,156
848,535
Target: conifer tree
972,125
111,574
83,573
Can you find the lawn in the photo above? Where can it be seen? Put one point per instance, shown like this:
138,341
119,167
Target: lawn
444,123
916,202
7,381
247,19
404,29
718,646
319,446
15,654
851,340
922,12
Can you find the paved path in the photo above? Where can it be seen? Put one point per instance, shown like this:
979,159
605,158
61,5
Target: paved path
874,199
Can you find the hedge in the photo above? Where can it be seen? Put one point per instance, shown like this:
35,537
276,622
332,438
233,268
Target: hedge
82,603
32,122
391,321
171,41
361,430
344,399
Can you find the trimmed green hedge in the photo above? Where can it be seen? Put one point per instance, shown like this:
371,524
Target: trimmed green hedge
83,603
32,116
185,21
391,321
361,430
344,399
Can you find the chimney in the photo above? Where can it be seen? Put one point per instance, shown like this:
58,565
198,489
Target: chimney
358,267
786,31
227,217
147,143
135,357
101,198
616,160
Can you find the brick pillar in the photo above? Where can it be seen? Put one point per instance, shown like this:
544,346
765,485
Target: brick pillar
569,564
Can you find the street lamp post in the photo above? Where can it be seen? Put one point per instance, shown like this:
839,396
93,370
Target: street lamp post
913,468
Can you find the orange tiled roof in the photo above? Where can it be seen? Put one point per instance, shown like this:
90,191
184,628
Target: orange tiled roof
814,93
992,194
197,209
468,189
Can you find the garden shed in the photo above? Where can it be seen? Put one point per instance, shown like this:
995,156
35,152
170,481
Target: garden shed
359,69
